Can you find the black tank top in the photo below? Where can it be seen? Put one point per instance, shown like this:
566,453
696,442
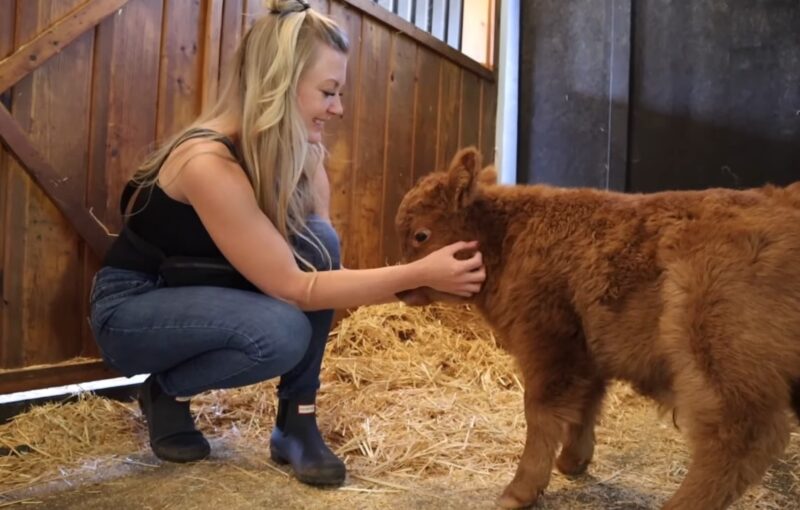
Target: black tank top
171,226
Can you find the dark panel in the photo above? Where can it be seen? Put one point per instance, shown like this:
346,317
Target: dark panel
716,94
574,60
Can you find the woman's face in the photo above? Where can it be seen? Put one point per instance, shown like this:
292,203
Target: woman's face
319,90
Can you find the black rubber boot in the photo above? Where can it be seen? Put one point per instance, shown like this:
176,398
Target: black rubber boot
296,441
173,436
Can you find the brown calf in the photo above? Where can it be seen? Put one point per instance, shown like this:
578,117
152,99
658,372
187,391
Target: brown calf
693,297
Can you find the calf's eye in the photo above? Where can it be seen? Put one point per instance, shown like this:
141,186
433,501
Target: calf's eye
420,236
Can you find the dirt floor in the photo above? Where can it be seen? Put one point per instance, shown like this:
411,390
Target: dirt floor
239,475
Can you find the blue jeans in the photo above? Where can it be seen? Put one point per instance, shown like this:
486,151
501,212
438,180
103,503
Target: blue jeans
199,338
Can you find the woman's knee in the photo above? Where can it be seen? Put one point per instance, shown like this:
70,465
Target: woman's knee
284,341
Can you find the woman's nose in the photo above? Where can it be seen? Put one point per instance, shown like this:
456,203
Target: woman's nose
336,107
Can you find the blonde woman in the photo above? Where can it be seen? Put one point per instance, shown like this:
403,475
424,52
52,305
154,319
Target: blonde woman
245,185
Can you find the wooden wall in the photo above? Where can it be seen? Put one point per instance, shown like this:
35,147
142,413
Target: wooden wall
87,88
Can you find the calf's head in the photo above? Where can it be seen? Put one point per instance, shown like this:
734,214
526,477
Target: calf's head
434,213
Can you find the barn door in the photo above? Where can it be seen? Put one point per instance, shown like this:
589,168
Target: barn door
50,240
649,95
88,86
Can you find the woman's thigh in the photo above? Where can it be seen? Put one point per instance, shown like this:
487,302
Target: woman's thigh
164,326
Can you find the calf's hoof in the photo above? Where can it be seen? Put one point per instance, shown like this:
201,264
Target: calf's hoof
514,497
571,465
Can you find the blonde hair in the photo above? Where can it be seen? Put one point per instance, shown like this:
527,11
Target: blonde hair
261,90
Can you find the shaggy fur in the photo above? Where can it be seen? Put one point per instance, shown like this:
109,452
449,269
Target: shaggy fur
693,297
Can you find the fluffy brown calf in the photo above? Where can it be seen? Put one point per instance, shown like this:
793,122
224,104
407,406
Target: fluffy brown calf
692,297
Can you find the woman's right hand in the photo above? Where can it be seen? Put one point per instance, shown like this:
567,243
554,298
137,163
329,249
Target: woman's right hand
442,271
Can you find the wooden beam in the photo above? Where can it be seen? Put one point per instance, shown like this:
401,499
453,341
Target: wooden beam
34,378
17,142
51,41
396,22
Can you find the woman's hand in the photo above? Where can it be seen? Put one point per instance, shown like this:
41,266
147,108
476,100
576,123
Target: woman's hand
442,271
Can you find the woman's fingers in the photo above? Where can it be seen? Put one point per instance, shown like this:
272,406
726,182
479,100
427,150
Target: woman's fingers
458,246
472,263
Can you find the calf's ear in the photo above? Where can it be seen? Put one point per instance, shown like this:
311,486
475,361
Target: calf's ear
462,176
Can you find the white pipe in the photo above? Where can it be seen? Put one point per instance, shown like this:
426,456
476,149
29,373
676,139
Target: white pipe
70,389
508,92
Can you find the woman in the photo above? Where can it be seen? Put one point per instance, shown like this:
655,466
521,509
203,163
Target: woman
245,182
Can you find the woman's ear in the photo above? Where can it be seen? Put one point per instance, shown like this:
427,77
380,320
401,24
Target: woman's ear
462,178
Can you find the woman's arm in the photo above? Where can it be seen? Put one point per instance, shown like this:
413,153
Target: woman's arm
220,192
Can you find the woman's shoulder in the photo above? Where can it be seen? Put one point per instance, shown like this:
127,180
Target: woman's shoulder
199,159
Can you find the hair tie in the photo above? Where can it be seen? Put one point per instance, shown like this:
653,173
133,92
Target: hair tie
304,6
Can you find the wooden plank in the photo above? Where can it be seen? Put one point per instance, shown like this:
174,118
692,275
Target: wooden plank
18,210
253,9
132,98
50,319
50,42
179,86
398,169
18,185
488,121
16,217
34,378
449,113
470,110
340,135
97,192
212,39
321,6
367,176
232,22
60,132
91,264
421,36
426,116
8,10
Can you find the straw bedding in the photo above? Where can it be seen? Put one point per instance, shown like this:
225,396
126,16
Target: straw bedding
409,395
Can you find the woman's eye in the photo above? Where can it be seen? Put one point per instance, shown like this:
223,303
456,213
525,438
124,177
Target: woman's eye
328,94
422,235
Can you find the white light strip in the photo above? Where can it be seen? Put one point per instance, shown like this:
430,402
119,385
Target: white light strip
71,389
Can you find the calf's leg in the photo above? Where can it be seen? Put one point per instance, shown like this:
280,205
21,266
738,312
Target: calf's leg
578,448
734,440
547,413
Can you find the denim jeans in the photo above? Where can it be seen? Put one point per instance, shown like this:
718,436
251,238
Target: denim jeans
198,338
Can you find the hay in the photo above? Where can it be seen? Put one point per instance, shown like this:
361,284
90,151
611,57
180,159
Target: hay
408,395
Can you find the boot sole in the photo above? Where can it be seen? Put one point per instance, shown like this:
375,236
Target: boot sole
322,479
